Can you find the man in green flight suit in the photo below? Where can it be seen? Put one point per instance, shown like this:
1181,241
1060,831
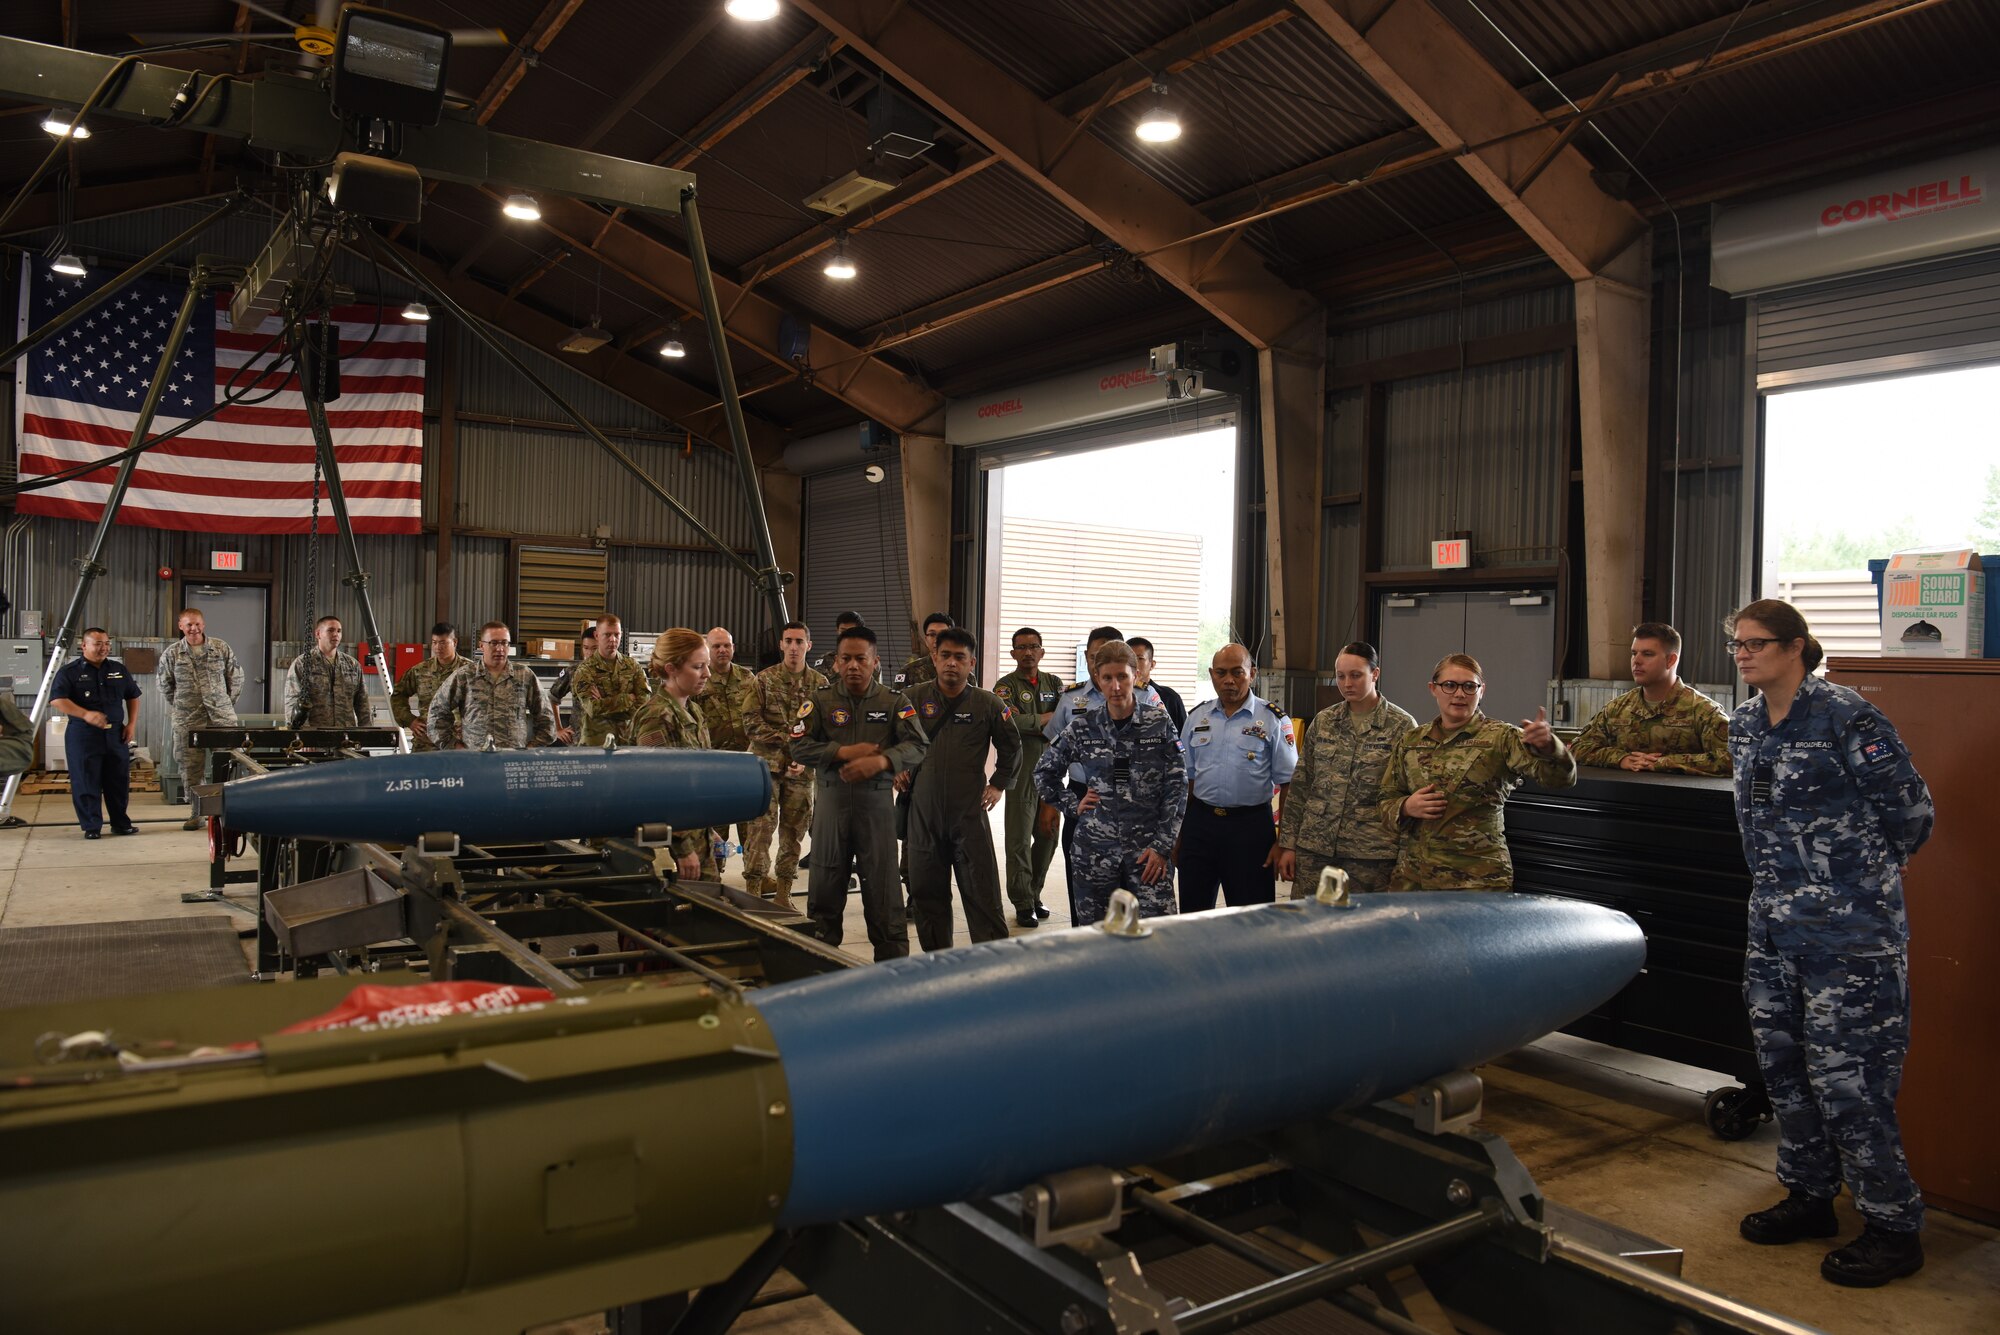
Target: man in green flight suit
1032,694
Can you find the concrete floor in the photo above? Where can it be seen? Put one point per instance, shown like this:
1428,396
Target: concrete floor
1606,1132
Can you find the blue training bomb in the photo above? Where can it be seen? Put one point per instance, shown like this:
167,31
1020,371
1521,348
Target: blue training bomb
501,796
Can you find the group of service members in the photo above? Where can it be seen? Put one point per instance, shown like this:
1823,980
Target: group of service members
1830,806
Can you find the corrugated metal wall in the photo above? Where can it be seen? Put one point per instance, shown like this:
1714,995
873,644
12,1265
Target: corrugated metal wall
1484,451
1383,329
856,557
1699,521
525,480
1340,617
516,479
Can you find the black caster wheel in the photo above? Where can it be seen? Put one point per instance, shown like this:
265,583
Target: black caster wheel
1733,1112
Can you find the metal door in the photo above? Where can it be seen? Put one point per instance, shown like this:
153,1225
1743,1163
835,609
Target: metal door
236,614
1511,633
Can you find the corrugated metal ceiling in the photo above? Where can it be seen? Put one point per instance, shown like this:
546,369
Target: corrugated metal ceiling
1279,100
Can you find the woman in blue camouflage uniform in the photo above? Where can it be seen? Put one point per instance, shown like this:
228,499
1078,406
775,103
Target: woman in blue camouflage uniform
1129,813
1831,809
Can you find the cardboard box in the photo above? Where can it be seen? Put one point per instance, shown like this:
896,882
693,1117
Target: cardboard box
1934,604
559,649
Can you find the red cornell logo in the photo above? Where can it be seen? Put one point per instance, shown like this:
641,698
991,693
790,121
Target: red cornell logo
1930,197
1126,379
1004,408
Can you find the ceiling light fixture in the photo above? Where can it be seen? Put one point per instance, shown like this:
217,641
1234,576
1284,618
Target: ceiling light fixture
523,207
751,11
673,347
62,129
416,310
67,263
838,265
1161,124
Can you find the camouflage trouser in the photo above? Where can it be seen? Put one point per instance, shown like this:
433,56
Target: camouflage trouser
1028,852
788,816
1099,869
1831,1032
1365,876
194,763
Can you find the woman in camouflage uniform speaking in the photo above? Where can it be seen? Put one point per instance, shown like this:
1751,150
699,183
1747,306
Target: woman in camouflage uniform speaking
680,666
1330,817
1445,785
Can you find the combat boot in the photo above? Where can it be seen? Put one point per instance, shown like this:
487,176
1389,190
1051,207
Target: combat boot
1873,1259
1791,1219
781,898
193,823
756,885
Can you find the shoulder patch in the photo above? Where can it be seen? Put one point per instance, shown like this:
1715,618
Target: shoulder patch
1006,711
805,709
907,711
1877,751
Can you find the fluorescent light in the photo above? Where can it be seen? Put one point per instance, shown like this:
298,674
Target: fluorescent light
416,310
62,129
673,347
751,11
67,263
523,207
1161,124
838,265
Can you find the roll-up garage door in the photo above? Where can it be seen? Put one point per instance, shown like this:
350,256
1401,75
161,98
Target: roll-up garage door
856,557
1939,313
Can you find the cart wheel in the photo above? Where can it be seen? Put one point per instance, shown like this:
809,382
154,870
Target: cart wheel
1733,1112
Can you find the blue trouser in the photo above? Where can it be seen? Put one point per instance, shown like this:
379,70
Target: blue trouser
1228,847
1831,1033
100,766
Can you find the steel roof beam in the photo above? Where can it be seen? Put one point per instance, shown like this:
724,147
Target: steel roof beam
1428,68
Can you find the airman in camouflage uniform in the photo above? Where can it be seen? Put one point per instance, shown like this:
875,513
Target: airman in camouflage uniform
1688,734
721,705
492,703
1831,809
421,684
323,686
1474,767
609,689
774,712
665,721
1331,816
1137,771
199,679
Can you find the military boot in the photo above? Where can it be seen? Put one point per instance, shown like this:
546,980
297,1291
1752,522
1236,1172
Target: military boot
756,885
1873,1259
781,898
193,823
1795,1217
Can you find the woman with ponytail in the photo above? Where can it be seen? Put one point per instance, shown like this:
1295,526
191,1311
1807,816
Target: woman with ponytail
1831,809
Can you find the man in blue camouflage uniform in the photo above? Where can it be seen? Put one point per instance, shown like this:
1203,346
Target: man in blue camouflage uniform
1134,792
1831,808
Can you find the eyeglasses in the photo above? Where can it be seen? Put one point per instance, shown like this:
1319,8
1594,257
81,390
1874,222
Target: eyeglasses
1459,687
1755,646
495,644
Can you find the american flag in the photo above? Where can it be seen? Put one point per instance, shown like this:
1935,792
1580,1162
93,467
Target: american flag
249,468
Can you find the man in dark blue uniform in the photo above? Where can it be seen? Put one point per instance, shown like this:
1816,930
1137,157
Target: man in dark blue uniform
102,702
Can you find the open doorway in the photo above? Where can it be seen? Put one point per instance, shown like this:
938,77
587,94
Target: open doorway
1138,536
1854,472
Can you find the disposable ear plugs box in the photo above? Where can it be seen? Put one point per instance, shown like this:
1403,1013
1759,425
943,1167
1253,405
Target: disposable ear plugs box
1934,604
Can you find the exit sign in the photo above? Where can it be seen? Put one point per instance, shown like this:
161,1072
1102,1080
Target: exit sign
1451,554
225,560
